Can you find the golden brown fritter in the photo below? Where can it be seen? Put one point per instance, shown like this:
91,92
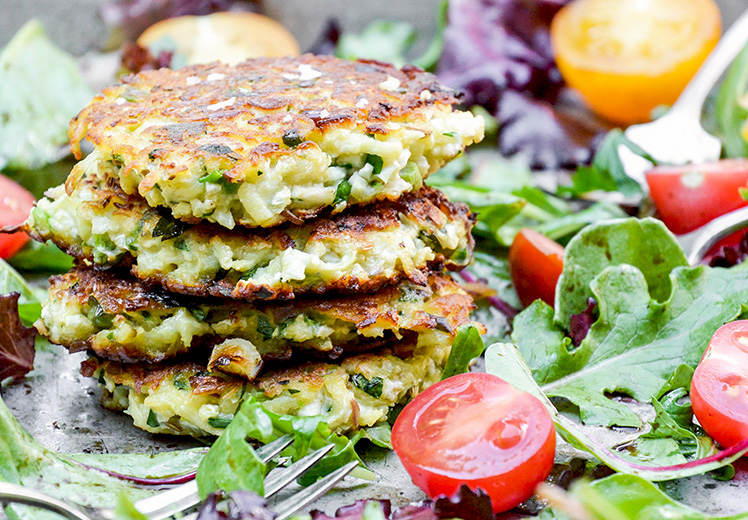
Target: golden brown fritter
362,249
120,318
184,398
274,139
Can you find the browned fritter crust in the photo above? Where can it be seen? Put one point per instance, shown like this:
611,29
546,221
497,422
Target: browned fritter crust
450,306
254,125
271,382
428,209
402,310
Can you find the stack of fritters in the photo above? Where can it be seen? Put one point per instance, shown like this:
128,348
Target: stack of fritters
261,230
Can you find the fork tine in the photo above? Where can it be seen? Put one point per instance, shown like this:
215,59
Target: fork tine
283,477
309,494
272,449
181,498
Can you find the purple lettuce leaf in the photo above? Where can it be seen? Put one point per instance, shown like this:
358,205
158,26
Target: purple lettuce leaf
579,324
354,511
17,349
731,255
498,53
237,505
466,504
327,40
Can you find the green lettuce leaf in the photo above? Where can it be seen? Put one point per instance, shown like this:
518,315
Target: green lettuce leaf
638,342
654,315
645,244
494,208
41,89
43,258
468,345
628,497
232,464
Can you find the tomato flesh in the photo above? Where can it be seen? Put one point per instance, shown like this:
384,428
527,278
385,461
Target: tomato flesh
687,197
535,263
15,205
719,389
476,429
627,57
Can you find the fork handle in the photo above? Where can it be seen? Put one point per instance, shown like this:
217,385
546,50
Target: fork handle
11,493
693,96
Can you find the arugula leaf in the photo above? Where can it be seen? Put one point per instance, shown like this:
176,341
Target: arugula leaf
16,341
606,171
494,271
494,208
628,497
731,109
466,346
36,108
673,421
643,243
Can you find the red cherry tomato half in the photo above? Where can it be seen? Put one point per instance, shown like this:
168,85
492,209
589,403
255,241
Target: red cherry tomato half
535,263
15,205
687,197
719,389
476,429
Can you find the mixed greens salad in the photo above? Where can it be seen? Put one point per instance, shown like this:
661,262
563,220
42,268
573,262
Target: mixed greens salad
615,376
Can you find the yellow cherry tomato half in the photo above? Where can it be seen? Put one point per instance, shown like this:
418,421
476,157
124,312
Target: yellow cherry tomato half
229,37
626,57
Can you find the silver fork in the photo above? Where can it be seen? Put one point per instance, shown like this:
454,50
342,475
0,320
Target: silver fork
184,497
677,137
698,242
